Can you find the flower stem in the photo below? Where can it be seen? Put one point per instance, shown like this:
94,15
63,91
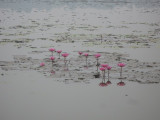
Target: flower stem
52,63
59,55
104,76
97,65
52,53
108,75
65,61
121,73
86,61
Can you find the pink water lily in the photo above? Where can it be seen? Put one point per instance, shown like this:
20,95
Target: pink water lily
121,65
104,65
80,53
51,50
52,58
97,55
42,64
86,54
108,67
102,68
59,51
65,55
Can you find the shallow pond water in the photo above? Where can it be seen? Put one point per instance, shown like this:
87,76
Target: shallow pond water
120,30
29,95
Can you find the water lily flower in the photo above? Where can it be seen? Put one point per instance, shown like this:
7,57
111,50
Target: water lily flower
80,53
42,64
52,58
121,64
102,68
104,65
59,51
97,55
86,54
108,67
51,50
65,55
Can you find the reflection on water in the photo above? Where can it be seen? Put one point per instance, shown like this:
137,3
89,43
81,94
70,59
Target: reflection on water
103,84
121,83
108,82
52,72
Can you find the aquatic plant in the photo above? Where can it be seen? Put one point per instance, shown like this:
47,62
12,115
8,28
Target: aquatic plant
108,68
51,50
52,59
65,55
103,73
80,53
42,64
59,52
104,65
121,65
86,55
97,59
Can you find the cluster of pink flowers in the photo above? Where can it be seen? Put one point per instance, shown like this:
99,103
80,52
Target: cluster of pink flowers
103,67
52,58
